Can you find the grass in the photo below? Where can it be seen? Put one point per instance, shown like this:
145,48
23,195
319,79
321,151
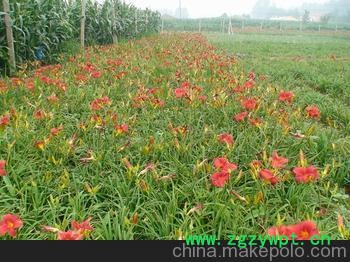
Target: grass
152,181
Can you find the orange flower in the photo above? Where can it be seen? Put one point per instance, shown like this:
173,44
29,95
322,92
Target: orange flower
40,144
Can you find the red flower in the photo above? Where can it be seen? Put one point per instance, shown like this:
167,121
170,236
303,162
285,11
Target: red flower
313,112
83,227
219,179
224,165
305,230
56,130
249,84
124,128
251,75
281,230
278,161
4,121
226,138
39,115
181,92
305,174
2,168
52,98
99,103
40,144
250,104
268,176
240,116
96,74
9,224
70,235
286,97
255,121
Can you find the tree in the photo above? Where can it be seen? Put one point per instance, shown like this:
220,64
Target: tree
325,18
306,16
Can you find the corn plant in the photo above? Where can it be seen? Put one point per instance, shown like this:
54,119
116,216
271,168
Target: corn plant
42,28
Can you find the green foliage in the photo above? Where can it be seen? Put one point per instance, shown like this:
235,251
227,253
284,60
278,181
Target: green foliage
48,24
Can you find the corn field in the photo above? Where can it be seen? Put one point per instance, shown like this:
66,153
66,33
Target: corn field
42,29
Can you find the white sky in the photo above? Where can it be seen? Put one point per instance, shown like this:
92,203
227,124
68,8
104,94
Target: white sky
209,8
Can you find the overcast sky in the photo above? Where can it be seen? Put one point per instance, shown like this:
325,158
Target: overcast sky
213,8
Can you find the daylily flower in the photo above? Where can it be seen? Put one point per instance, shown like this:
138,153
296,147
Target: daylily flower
305,230
313,112
2,168
70,235
9,225
56,130
224,165
39,115
250,104
281,230
302,231
219,179
278,161
83,227
268,176
4,121
121,129
240,116
305,174
286,97
226,138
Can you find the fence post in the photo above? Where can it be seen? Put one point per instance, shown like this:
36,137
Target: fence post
9,36
223,25
242,26
336,27
261,26
162,24
82,25
200,26
230,26
136,29
114,17
319,28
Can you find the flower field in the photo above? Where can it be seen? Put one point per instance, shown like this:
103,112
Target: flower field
164,137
